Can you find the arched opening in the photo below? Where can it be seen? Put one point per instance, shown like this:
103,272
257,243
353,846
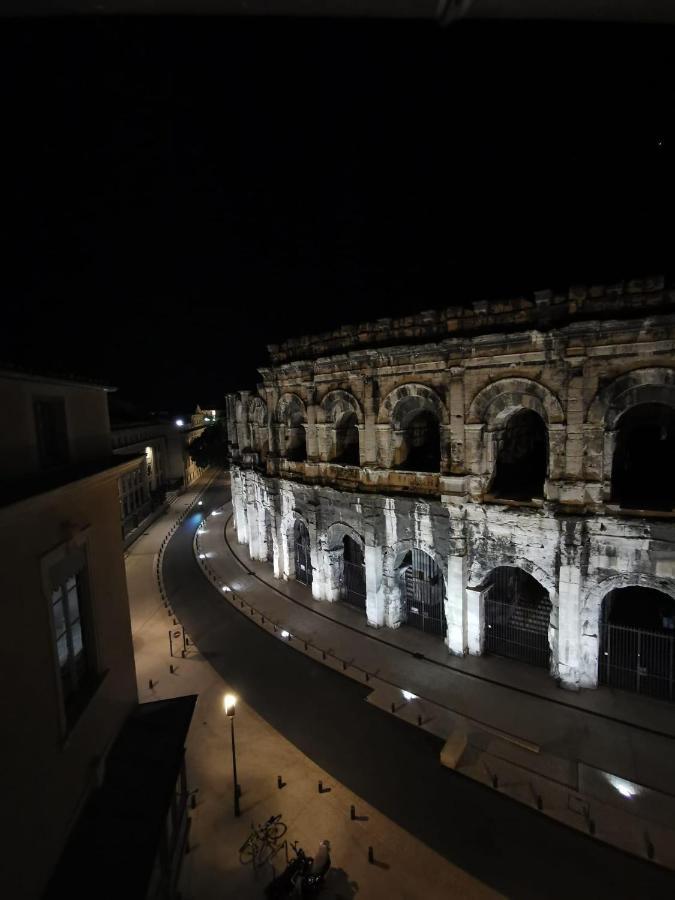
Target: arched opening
353,574
637,641
423,592
517,616
643,471
296,447
520,471
303,561
421,445
347,440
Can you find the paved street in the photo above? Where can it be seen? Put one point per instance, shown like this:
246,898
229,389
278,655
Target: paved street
394,767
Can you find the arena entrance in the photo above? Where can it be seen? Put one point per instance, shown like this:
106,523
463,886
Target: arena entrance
637,642
303,561
354,574
424,593
517,615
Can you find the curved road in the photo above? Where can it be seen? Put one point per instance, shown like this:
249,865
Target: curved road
392,766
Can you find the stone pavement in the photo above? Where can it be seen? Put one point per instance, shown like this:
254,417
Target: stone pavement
212,868
600,762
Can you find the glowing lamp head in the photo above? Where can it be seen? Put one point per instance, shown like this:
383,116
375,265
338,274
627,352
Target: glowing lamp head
407,695
179,423
285,634
229,703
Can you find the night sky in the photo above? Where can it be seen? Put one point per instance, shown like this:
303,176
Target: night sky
177,193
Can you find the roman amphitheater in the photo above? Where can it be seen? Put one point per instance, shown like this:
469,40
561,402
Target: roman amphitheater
501,476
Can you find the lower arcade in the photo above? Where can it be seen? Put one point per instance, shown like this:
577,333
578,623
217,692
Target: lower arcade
589,599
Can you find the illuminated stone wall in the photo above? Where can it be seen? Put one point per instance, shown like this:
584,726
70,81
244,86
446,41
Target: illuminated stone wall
579,374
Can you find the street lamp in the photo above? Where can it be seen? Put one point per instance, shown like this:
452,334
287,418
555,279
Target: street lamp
229,702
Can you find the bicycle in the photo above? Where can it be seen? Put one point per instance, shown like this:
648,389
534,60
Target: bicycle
261,844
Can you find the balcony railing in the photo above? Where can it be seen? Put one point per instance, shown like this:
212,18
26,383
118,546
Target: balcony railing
357,478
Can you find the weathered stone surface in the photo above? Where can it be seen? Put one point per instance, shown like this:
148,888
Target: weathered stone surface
471,370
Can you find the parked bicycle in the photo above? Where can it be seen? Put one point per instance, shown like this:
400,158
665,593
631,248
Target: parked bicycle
262,842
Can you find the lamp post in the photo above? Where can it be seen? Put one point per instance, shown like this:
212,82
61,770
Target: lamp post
229,703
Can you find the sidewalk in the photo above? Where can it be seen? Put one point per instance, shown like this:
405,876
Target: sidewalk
598,761
212,868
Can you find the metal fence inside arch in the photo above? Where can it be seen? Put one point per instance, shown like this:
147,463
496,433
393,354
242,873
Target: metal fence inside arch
637,642
354,581
424,592
517,615
303,562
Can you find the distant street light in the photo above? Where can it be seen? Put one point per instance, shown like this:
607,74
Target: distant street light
179,423
229,702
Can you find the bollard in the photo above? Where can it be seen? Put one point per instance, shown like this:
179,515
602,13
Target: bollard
280,782
193,800
344,666
174,621
393,707
540,802
171,669
419,721
495,781
352,812
367,676
371,855
591,826
150,684
170,643
323,655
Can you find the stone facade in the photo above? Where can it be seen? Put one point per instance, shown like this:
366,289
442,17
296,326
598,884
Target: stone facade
472,396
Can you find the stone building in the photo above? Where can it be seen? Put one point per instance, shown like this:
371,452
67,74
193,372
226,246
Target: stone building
75,737
500,476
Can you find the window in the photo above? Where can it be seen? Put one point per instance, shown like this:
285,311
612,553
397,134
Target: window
72,636
52,434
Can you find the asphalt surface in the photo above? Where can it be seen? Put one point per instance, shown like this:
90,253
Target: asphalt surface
392,765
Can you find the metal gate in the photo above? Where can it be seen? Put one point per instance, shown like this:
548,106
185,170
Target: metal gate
517,615
354,581
303,561
424,593
638,660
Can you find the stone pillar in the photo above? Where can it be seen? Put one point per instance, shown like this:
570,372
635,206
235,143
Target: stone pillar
475,620
374,588
276,543
311,437
325,442
384,446
565,663
456,601
368,447
333,563
456,413
239,506
287,549
318,572
574,445
445,435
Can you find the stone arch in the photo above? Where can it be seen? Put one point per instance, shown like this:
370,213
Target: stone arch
331,553
428,398
291,417
476,603
257,412
591,607
490,412
336,532
520,562
335,404
493,405
288,405
650,385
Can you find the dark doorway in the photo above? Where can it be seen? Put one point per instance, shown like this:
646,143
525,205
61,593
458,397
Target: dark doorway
637,642
303,561
517,616
354,582
423,443
347,441
296,448
424,592
643,473
521,464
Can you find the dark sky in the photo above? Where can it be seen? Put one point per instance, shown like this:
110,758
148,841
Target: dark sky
179,192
